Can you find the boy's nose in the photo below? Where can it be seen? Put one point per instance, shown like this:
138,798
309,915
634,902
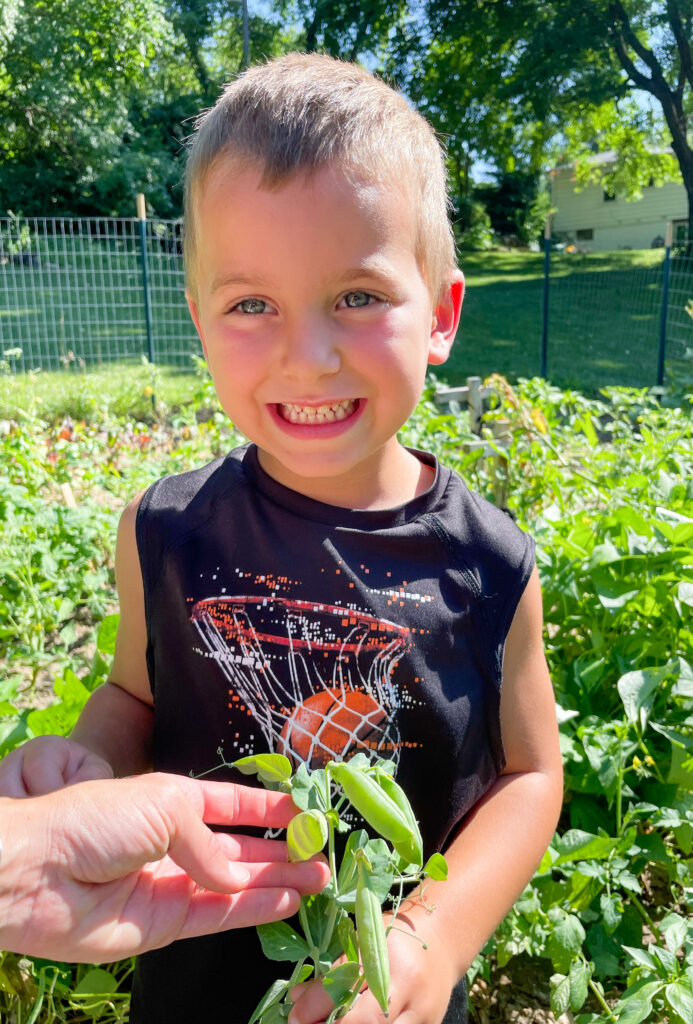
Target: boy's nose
310,351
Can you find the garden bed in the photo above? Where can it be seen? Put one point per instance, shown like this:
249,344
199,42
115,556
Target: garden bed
603,933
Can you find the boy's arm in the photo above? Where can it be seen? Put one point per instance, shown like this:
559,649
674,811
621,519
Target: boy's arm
117,720
492,857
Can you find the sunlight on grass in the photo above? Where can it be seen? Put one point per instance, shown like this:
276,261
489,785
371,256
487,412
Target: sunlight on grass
120,390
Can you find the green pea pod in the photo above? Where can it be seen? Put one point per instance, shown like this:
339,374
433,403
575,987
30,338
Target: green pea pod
372,940
373,804
306,835
412,851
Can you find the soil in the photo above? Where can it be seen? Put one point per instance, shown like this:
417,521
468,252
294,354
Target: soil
515,994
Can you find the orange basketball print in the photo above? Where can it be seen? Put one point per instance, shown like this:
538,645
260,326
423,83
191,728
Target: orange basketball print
334,725
318,679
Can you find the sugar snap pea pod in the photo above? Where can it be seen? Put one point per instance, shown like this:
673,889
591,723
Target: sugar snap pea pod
306,835
372,940
373,804
413,851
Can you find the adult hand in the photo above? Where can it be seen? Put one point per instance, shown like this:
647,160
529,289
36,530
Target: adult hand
105,869
49,762
421,979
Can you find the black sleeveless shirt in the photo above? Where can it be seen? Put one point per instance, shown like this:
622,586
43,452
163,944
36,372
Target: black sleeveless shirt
276,622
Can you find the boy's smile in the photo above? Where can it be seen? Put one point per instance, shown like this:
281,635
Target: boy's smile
318,326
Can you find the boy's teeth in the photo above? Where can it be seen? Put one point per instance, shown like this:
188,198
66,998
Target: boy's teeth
317,413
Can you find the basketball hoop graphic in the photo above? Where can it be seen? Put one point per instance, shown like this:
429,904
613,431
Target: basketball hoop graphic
316,677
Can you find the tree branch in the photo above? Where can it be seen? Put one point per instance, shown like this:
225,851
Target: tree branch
637,77
682,43
619,14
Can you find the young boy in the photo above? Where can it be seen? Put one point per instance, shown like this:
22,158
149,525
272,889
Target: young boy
324,590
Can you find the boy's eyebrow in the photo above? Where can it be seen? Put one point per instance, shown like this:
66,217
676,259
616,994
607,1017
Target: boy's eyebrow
373,267
238,279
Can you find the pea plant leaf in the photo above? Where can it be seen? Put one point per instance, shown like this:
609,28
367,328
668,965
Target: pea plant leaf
274,994
340,980
636,1004
577,845
567,936
636,690
272,769
675,931
308,789
679,997
436,867
282,942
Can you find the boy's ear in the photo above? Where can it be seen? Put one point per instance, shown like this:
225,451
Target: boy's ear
192,306
446,317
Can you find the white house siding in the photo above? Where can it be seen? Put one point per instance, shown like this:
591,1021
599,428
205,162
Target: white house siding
616,223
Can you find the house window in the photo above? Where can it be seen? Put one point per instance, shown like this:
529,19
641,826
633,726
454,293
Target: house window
609,196
584,234
680,232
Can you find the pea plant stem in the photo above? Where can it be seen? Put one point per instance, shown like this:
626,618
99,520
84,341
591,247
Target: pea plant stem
303,916
643,913
601,1000
296,974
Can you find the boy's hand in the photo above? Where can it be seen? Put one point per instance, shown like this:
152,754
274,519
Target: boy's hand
48,763
421,980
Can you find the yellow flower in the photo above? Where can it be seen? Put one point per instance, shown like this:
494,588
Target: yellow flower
539,420
637,763
148,391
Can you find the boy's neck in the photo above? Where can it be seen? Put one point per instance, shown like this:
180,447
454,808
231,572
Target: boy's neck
396,477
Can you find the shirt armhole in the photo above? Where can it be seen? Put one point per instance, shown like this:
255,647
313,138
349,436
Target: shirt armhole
507,612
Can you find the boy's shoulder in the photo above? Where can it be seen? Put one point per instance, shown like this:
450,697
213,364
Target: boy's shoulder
180,502
479,530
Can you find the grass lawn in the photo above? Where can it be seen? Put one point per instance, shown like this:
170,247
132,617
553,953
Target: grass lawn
604,317
122,389
84,307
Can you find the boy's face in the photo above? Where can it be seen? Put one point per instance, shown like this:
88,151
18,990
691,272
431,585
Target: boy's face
316,323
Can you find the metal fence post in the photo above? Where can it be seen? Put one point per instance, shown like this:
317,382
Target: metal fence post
142,223
543,371
665,304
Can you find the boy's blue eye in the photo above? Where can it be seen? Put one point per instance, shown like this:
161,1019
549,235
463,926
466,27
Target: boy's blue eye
251,306
353,300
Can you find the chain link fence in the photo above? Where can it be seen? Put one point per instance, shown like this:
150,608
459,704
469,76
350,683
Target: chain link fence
72,293
77,293
621,317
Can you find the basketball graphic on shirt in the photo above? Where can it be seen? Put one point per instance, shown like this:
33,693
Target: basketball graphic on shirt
333,726
316,678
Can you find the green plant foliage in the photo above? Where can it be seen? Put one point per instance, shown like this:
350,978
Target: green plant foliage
370,873
605,485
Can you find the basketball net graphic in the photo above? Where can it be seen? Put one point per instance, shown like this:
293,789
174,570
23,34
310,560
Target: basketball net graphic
317,678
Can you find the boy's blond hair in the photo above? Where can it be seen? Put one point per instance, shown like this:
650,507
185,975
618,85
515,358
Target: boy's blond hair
303,111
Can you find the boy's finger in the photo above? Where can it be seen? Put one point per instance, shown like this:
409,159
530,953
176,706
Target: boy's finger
312,1005
92,768
43,770
11,781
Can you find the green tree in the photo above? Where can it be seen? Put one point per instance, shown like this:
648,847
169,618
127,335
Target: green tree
571,69
67,69
345,29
